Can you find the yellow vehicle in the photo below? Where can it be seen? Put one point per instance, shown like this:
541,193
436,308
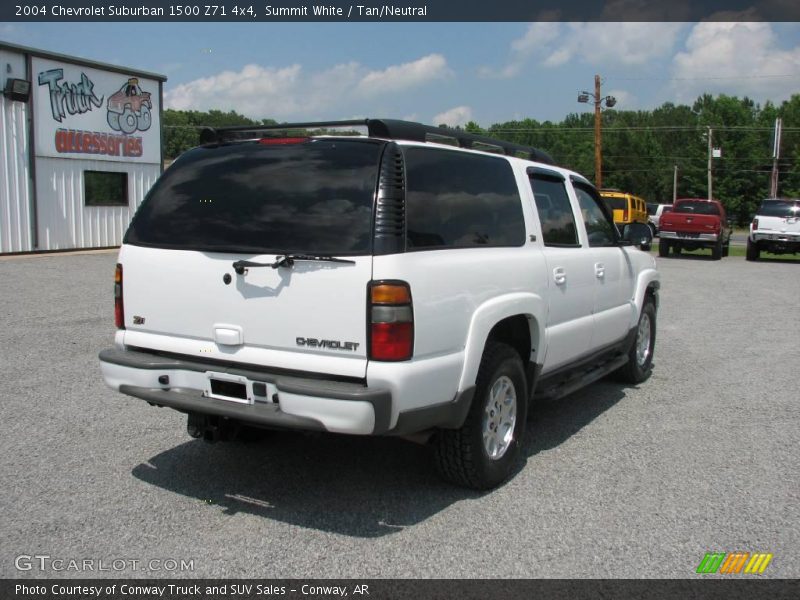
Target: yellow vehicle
626,208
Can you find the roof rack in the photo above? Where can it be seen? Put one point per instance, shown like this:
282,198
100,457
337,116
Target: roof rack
390,129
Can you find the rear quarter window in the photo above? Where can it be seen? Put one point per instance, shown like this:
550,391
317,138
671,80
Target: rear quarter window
461,200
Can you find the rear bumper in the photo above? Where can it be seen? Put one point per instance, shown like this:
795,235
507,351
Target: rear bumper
701,237
777,236
282,401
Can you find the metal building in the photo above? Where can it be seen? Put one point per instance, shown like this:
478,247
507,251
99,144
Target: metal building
80,145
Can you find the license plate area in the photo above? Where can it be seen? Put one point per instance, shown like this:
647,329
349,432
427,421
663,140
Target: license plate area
236,388
229,389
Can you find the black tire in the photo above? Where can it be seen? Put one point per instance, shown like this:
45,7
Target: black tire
663,248
716,251
639,369
460,455
726,249
753,251
653,229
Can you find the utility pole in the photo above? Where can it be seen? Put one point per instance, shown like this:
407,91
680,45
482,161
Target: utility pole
598,102
776,154
598,163
710,152
675,184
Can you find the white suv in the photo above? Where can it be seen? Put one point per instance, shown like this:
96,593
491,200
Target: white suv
775,228
654,212
389,284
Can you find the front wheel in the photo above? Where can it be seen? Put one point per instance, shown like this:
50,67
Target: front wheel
640,357
483,452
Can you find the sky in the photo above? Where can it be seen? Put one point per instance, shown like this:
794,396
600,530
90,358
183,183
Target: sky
435,72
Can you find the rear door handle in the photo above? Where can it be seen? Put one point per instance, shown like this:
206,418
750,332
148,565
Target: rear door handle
560,276
600,270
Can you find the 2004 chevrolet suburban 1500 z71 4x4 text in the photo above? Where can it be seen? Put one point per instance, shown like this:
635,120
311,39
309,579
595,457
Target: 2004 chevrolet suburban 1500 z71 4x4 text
383,284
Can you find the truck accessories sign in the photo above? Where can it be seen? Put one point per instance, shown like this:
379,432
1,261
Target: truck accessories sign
86,111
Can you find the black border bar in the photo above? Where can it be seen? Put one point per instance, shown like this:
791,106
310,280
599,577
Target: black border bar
398,10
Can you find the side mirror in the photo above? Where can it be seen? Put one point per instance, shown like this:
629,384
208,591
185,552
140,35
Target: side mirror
638,234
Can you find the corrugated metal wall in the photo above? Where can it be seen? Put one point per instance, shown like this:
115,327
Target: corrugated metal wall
15,192
65,222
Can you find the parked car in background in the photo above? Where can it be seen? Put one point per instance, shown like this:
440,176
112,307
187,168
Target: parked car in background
775,228
626,208
695,223
654,212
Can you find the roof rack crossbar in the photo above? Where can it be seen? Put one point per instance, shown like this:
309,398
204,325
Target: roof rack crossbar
390,129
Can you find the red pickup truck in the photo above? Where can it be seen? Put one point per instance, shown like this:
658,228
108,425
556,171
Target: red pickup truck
695,223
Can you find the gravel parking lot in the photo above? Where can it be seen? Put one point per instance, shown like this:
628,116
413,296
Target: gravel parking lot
616,481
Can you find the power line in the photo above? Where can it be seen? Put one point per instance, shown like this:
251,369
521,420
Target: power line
721,77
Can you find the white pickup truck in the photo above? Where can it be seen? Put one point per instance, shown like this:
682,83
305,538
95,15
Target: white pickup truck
414,280
775,228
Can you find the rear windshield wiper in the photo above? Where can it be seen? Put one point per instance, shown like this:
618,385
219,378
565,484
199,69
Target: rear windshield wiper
288,260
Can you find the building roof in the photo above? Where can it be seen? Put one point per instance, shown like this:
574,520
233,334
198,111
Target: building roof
80,61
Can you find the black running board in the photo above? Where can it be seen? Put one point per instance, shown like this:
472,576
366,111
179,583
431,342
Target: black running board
563,387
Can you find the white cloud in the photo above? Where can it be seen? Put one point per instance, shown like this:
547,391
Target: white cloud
408,75
620,43
737,59
458,115
625,43
289,91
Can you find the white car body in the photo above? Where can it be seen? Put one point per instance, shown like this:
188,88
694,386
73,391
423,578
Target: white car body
184,327
775,228
654,218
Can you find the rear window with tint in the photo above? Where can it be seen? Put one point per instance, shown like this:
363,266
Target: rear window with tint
312,197
779,208
458,200
616,203
698,208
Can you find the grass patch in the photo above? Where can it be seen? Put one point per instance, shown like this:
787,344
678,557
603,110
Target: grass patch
738,251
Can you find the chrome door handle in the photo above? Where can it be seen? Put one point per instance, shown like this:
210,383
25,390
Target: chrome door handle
560,276
600,270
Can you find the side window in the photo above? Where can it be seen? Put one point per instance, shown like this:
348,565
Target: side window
555,211
461,200
598,226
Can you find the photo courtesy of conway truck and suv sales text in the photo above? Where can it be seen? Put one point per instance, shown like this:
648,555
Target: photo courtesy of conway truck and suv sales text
412,280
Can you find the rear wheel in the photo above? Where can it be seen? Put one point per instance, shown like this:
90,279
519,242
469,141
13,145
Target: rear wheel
663,248
716,251
753,251
483,452
640,356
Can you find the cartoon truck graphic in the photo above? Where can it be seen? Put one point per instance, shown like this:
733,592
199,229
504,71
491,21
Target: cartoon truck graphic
129,108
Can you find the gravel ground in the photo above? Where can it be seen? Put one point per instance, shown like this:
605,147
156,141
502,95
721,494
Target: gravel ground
616,481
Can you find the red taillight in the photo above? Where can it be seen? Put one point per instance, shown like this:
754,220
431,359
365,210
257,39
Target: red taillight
391,321
624,215
119,310
392,341
755,224
287,141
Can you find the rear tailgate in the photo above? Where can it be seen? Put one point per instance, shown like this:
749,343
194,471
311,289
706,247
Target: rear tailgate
256,202
311,317
689,223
